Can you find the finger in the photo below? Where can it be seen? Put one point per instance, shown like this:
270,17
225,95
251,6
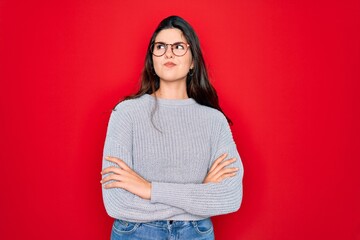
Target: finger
114,177
226,163
117,171
225,171
111,170
228,170
119,162
115,184
222,177
223,164
217,161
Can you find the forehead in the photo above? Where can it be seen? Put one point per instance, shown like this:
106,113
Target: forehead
170,35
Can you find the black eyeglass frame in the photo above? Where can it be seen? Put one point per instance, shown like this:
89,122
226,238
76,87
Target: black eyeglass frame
172,48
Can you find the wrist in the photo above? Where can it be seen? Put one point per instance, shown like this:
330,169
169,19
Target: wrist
149,191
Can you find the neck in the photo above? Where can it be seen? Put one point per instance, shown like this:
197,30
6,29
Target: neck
172,90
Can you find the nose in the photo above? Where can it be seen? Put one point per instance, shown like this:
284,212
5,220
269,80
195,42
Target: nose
168,51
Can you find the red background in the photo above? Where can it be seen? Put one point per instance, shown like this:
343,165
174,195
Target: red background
287,73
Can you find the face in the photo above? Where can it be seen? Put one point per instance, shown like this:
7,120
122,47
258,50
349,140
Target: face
170,67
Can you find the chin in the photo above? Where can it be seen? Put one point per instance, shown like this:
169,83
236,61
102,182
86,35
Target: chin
172,78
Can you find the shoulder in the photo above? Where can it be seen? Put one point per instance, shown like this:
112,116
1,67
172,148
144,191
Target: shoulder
125,111
126,105
217,122
213,115
129,106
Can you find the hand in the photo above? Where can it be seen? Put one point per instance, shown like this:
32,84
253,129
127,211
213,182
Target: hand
218,172
124,177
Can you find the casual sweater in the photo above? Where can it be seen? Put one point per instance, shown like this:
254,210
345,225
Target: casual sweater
174,150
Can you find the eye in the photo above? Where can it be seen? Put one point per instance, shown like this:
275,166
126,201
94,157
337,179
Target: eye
159,46
179,46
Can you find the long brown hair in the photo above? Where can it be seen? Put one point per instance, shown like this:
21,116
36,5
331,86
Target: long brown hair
198,85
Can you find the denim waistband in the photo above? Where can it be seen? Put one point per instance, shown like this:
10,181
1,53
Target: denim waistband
177,223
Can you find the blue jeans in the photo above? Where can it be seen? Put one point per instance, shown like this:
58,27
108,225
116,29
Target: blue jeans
163,230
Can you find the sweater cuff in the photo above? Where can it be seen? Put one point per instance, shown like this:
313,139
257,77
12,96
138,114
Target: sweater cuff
168,193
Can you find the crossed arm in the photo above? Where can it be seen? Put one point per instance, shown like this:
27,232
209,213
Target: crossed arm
126,194
124,177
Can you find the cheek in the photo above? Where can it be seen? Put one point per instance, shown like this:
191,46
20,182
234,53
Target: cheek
156,63
189,60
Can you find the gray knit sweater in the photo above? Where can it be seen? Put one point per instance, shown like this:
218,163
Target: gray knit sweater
175,160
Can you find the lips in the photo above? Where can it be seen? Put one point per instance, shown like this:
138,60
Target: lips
169,64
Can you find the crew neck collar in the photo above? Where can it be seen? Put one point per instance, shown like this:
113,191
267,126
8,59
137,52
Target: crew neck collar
170,102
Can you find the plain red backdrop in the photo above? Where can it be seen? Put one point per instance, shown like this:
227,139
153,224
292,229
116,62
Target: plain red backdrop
287,74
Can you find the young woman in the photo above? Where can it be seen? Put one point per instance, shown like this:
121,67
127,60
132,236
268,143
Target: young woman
170,161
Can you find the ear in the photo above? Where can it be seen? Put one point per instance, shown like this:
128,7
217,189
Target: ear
192,64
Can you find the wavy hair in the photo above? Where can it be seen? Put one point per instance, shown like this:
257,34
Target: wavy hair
198,85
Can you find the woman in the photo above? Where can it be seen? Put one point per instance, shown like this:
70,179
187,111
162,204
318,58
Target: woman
170,161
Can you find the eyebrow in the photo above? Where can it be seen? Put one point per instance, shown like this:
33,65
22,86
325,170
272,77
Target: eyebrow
170,43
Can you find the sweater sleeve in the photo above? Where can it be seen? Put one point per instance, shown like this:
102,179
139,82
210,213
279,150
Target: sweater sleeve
120,203
208,199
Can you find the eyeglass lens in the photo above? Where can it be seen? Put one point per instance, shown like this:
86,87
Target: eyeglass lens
178,49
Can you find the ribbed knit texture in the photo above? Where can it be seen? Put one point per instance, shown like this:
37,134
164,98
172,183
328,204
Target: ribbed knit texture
175,160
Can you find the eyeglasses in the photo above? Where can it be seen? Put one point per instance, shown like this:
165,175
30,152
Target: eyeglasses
178,49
